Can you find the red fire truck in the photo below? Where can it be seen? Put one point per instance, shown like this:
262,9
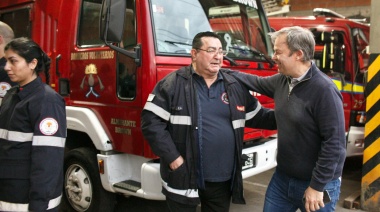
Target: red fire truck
106,85
341,53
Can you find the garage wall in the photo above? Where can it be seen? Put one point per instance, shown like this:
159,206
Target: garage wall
344,7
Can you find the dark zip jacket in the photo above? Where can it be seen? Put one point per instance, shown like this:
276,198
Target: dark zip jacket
169,123
32,139
310,123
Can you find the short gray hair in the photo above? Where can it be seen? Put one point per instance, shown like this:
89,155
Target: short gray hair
297,38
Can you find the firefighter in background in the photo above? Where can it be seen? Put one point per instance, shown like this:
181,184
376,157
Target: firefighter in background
6,35
91,79
33,133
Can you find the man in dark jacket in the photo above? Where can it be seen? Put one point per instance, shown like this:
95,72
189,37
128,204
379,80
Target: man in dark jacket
310,123
194,121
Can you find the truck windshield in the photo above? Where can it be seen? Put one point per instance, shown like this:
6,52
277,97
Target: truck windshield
238,24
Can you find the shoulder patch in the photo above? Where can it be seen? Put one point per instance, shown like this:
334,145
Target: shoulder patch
49,126
240,108
4,86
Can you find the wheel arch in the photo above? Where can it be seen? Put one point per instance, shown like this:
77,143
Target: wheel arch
85,129
77,139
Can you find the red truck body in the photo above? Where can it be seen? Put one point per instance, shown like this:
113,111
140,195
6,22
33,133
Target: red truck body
105,88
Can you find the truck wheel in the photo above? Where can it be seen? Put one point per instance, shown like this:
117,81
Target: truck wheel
82,185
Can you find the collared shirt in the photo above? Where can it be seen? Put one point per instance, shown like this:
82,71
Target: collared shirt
294,81
216,133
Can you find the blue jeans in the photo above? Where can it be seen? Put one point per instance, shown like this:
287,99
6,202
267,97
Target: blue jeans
284,194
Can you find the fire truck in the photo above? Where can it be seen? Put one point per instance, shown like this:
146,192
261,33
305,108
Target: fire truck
106,59
341,53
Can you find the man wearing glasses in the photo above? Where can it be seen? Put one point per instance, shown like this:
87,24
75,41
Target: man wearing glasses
194,121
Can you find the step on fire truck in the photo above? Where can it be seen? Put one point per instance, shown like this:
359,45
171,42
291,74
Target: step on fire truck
106,84
341,53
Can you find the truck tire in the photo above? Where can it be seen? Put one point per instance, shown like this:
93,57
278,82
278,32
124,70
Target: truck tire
83,189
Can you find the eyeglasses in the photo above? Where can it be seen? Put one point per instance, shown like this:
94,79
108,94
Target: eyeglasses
213,51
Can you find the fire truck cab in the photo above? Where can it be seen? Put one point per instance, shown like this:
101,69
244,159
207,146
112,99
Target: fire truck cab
341,53
106,82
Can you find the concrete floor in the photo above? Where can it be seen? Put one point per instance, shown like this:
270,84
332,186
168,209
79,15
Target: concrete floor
255,187
254,190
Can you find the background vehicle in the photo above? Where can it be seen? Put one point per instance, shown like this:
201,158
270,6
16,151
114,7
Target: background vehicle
106,86
340,53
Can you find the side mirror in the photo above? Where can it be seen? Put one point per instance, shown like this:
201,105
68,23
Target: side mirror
111,26
112,20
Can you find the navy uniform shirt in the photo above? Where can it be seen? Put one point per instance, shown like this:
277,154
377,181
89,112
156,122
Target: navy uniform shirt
217,141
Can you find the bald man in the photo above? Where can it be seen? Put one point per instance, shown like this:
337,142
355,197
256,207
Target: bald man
6,35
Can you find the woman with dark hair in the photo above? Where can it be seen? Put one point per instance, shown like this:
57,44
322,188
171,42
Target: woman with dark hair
32,133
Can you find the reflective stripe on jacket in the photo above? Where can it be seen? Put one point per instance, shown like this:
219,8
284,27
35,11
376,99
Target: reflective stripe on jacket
32,140
169,123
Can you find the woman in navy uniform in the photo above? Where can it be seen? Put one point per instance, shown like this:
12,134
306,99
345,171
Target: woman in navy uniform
32,133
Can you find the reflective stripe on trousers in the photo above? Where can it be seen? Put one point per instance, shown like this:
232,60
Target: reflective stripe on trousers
7,206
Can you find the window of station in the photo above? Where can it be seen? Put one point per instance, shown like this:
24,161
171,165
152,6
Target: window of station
19,21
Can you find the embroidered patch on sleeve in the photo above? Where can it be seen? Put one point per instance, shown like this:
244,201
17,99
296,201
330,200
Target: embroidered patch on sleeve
240,108
49,126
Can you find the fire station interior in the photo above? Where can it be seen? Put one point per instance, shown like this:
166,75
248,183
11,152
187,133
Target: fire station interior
329,56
